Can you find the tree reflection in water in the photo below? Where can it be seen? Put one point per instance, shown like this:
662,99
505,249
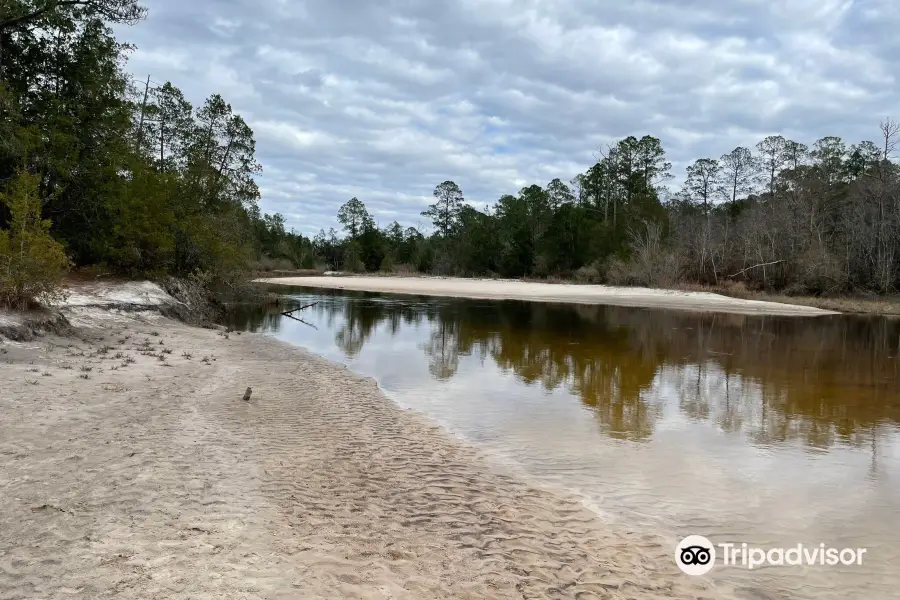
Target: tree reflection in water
817,380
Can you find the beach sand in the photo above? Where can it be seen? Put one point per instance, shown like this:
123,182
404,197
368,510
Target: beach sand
154,479
552,292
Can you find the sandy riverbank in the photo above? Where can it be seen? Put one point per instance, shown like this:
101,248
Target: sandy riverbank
130,467
546,292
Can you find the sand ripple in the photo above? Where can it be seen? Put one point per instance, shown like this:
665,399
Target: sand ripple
155,482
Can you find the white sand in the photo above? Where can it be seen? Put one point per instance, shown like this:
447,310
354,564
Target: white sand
547,292
141,293
154,479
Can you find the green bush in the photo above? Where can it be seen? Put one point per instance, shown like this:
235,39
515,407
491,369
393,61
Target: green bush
352,261
142,241
32,263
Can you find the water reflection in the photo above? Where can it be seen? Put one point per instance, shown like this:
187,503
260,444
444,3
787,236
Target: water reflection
821,381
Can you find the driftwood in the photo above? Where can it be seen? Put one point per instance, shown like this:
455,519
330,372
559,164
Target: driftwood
287,313
774,262
290,316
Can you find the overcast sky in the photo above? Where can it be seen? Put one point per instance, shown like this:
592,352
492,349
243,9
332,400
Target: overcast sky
384,99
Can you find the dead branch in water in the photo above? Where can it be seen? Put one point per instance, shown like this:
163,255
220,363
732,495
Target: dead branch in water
298,319
290,316
286,313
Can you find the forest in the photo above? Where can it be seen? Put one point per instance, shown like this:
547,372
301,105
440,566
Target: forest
100,171
802,219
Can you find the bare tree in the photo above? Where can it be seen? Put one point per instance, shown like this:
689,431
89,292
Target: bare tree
889,131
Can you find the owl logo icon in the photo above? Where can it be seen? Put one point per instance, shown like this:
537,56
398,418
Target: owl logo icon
695,555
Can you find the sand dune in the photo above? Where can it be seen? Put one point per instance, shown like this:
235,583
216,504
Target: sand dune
546,292
154,479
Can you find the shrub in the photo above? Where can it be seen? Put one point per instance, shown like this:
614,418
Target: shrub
32,263
387,265
650,263
405,269
352,261
214,244
818,271
267,263
589,273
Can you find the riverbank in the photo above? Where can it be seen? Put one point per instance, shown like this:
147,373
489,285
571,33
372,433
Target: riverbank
131,467
857,305
547,292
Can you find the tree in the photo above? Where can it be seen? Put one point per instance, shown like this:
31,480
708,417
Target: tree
444,213
652,163
739,168
829,154
863,157
174,122
559,194
354,217
478,247
222,155
32,263
393,236
772,159
890,129
703,183
28,13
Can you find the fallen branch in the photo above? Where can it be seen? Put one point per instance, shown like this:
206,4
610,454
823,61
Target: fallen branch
298,319
775,262
287,313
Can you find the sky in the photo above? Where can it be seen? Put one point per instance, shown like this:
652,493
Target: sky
384,100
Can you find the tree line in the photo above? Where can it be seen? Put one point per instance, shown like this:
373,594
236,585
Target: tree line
782,215
97,170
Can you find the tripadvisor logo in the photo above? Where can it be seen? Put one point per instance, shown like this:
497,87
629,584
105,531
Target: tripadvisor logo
696,555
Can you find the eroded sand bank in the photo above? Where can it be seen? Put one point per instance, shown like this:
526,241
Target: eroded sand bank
130,467
546,292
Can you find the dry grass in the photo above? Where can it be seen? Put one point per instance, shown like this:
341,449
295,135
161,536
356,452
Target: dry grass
286,273
861,305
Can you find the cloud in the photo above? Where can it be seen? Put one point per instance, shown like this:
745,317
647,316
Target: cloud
385,100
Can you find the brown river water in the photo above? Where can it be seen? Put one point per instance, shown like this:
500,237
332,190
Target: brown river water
767,431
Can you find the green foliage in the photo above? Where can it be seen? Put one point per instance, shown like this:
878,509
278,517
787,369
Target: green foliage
444,213
143,232
352,261
32,263
354,217
145,185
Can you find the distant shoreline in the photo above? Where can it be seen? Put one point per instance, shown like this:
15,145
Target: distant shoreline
551,292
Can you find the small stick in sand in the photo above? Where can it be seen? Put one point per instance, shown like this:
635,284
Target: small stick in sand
247,395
